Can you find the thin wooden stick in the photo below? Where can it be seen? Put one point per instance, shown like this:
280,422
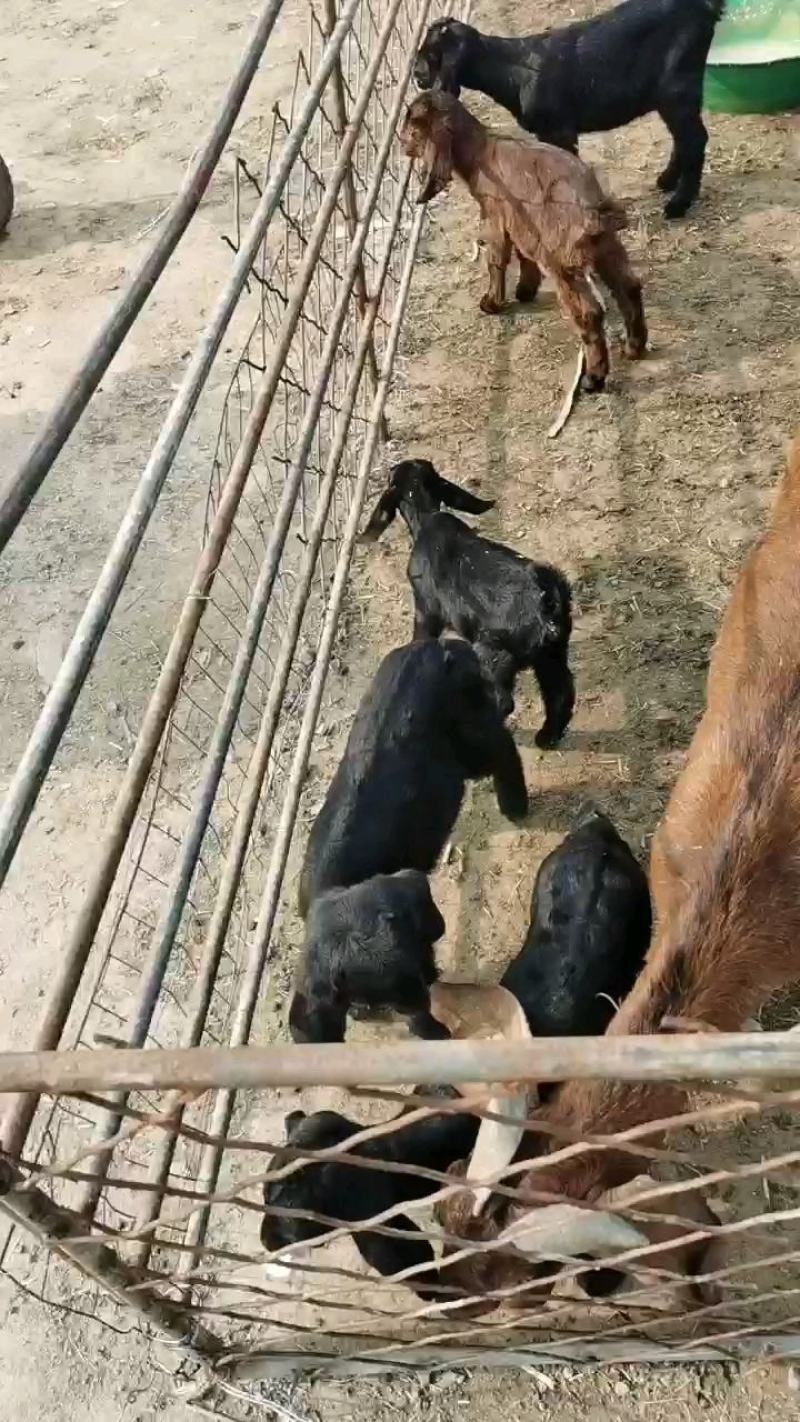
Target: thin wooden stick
570,398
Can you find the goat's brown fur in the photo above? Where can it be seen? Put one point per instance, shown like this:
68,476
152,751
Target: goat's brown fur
725,864
544,204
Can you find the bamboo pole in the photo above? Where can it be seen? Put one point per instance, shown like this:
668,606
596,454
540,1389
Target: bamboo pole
691,1057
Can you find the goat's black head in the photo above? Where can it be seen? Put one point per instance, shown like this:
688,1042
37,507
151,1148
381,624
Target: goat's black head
416,489
441,55
308,1188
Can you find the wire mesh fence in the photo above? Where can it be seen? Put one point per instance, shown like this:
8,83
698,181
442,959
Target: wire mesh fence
353,1227
180,909
274,1211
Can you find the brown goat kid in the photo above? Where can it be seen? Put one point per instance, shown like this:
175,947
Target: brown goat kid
725,878
545,205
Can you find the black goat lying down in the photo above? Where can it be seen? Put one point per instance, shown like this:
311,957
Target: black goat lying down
517,613
351,1193
371,945
589,933
428,723
643,56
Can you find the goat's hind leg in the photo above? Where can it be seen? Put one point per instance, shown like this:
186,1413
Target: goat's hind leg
583,310
530,279
557,688
614,269
498,255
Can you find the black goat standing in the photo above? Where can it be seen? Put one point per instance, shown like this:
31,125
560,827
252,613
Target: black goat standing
517,613
643,56
351,1193
371,945
428,723
589,933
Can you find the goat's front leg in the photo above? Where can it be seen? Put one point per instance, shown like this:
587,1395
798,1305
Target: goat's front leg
498,255
683,173
411,997
582,309
613,268
557,688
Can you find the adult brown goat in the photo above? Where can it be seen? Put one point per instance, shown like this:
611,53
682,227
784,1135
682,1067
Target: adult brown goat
725,876
542,203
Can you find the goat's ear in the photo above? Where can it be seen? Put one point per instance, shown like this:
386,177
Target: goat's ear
438,160
382,515
458,498
450,56
293,1120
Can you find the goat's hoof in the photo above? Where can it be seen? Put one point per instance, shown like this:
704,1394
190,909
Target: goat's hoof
546,739
676,207
592,384
666,181
635,350
489,306
526,294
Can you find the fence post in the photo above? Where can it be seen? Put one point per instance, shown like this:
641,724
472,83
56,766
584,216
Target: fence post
351,202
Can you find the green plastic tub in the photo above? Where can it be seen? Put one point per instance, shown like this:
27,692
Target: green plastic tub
754,63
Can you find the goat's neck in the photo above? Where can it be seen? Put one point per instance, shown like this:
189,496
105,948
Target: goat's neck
415,519
491,65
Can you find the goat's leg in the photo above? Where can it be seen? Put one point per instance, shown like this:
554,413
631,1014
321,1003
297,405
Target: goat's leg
557,688
690,137
424,1024
560,138
498,255
668,177
613,268
581,307
530,279
411,996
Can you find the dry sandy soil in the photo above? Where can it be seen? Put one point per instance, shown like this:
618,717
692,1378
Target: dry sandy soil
647,501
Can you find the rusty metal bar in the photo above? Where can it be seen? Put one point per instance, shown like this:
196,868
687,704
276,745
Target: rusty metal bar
139,1018
690,1057
78,659
269,905
28,479
350,200
260,760
20,1113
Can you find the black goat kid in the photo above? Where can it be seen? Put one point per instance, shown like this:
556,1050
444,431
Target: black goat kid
427,725
370,945
644,56
588,936
517,613
351,1193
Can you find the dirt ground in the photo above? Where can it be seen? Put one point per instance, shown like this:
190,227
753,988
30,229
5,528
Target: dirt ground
647,500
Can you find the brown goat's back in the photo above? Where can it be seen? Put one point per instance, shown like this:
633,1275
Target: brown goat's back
725,866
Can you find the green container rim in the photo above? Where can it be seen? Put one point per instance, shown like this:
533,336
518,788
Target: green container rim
771,87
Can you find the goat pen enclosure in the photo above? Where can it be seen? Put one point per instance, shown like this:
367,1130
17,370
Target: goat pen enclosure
145,1175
